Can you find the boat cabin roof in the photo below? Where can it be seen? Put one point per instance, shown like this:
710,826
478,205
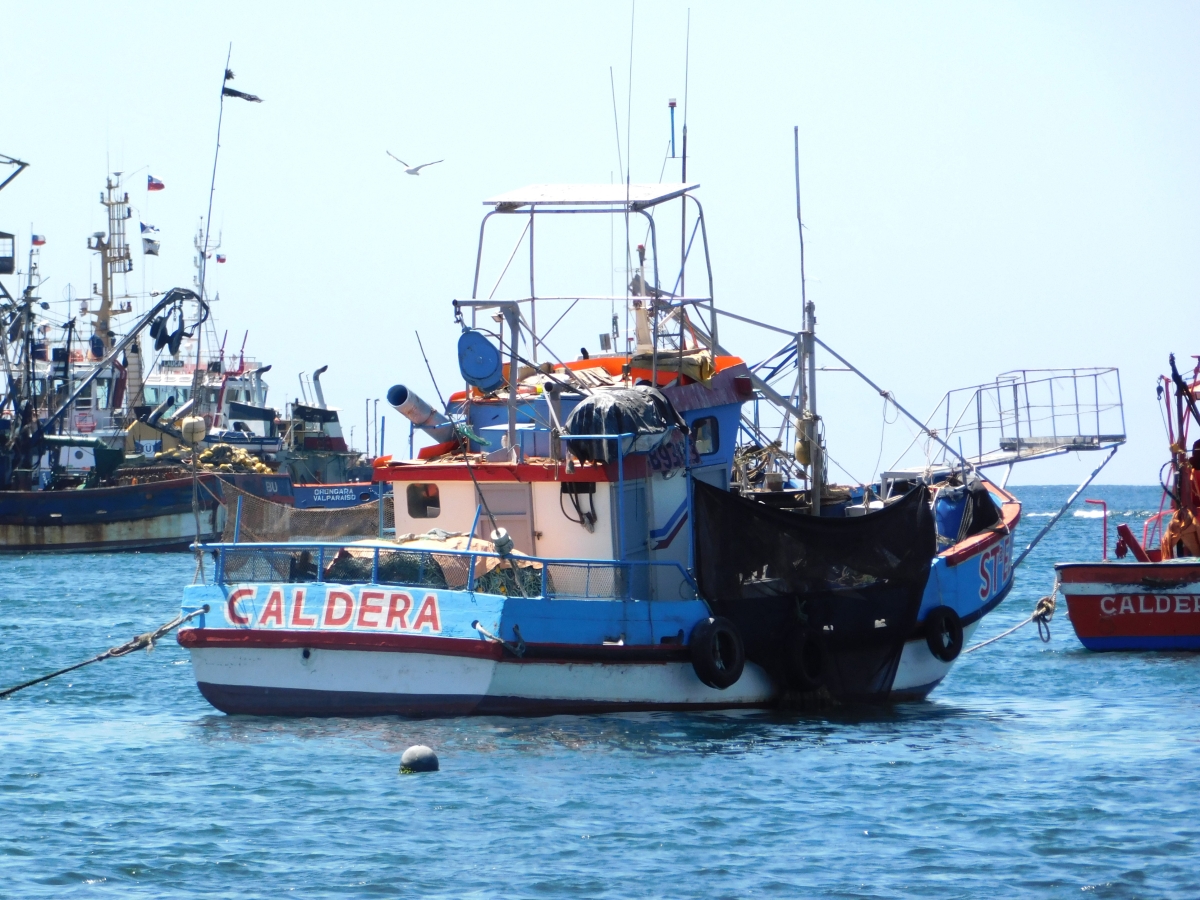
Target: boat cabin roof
636,195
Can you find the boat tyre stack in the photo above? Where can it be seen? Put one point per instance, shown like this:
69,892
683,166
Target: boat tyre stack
718,655
944,633
803,659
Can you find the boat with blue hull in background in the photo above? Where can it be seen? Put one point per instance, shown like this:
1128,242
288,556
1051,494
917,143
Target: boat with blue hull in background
616,532
87,425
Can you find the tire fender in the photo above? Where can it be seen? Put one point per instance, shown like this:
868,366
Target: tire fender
944,633
718,655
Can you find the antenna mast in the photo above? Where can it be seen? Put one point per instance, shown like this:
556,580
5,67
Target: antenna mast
114,257
810,443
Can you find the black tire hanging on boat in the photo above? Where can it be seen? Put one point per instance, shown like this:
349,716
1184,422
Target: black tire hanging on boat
803,659
944,633
718,655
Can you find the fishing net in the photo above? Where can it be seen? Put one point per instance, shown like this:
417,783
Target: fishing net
641,411
844,590
263,520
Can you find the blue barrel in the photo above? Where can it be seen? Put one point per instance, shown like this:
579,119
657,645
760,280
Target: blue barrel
948,510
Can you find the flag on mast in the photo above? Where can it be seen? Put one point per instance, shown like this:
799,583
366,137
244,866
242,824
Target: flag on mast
150,247
39,240
153,184
227,91
148,228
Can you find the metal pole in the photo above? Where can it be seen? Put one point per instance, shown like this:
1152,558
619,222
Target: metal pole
809,407
683,213
532,292
237,522
512,313
620,501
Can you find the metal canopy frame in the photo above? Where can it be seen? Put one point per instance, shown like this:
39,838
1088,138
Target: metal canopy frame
632,196
596,199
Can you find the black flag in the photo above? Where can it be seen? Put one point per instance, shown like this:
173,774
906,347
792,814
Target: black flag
230,92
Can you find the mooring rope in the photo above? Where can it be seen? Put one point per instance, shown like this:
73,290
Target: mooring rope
136,643
1042,614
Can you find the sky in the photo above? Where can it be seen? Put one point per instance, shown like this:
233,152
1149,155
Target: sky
986,187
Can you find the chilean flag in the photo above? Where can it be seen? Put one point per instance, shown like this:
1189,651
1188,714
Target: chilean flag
153,184
220,257
39,240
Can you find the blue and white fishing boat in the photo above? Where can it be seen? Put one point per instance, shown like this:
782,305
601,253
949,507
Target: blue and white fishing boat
612,532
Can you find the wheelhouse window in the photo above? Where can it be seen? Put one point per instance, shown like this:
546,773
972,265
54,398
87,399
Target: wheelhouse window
424,501
705,435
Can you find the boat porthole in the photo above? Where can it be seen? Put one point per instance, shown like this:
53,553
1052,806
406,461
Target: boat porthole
306,653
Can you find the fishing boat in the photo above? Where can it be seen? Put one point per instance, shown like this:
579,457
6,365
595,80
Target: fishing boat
86,433
1148,598
614,532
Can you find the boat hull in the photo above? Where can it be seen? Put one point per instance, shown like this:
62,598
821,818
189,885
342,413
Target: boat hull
362,650
1132,605
317,649
154,515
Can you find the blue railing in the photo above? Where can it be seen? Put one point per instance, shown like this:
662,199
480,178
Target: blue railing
473,570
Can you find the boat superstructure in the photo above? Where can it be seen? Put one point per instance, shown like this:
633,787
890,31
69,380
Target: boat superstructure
612,531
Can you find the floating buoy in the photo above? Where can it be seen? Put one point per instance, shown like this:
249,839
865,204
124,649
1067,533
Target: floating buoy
418,758
502,542
193,429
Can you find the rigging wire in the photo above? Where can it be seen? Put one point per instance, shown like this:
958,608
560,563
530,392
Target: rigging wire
429,369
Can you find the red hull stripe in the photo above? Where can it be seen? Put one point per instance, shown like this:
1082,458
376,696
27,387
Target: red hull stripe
613,654
333,640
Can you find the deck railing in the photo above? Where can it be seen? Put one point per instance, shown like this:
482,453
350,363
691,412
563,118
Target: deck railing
486,572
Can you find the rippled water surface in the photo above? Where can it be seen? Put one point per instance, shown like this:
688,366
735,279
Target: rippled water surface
1035,770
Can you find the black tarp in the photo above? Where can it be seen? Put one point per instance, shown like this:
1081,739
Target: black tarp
642,411
851,585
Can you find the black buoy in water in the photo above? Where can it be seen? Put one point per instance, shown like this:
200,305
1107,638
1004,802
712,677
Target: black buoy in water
418,758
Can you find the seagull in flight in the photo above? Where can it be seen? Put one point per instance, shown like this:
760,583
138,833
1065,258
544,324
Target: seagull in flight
412,170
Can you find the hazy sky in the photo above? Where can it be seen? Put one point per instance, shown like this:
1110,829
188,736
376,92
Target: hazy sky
986,186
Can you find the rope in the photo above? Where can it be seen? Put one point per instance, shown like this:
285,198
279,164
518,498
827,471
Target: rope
1042,614
136,643
517,649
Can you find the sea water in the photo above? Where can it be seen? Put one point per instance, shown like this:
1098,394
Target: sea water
1035,770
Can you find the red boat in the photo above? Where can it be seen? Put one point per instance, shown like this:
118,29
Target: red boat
1152,601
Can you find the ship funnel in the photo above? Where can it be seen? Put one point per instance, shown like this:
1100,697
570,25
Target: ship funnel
158,411
260,396
420,413
316,380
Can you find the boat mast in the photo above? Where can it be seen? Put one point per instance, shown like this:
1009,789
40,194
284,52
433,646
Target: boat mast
806,360
114,258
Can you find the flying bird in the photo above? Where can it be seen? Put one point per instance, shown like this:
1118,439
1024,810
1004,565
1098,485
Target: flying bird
412,170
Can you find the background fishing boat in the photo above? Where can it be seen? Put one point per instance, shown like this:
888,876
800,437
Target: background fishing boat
1148,598
88,451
